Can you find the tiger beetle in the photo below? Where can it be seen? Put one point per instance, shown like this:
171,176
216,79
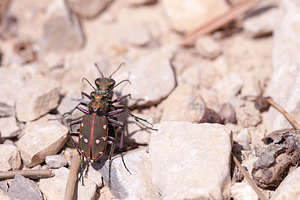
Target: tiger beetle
99,116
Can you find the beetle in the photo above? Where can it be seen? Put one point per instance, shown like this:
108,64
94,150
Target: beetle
99,116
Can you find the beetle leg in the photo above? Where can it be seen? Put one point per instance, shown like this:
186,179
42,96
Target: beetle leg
115,112
75,122
136,118
112,142
78,108
121,98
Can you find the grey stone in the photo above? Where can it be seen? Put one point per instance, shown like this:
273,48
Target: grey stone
9,158
62,31
188,156
207,47
288,189
262,24
152,78
9,127
136,185
38,96
88,8
188,15
283,86
247,115
25,189
55,161
54,188
184,104
11,80
228,87
42,138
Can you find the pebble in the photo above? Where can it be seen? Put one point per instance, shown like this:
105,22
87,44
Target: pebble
152,78
289,187
6,110
37,97
192,160
262,24
136,185
141,2
247,115
62,32
184,104
140,37
88,8
54,188
9,127
55,161
9,158
53,60
243,191
243,138
11,80
25,189
188,15
207,47
284,83
228,87
42,138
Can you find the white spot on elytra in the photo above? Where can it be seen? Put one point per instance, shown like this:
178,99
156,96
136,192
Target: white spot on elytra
103,138
81,124
97,141
80,136
104,126
85,140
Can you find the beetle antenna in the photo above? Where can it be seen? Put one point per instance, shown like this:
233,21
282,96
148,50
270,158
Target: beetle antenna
96,65
122,64
125,80
85,79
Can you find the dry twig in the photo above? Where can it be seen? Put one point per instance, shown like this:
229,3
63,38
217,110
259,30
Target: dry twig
34,174
70,187
218,21
249,179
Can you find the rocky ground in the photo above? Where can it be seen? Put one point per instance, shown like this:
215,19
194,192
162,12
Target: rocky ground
200,97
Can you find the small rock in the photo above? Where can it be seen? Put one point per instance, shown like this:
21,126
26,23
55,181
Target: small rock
282,152
25,50
53,60
262,24
207,47
4,196
6,110
184,104
289,187
136,185
9,158
69,153
88,8
11,80
62,31
54,188
243,191
227,112
188,15
228,87
152,70
67,104
9,127
55,161
38,96
42,138
140,37
141,2
247,115
25,189
243,138
94,175
177,151
211,116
